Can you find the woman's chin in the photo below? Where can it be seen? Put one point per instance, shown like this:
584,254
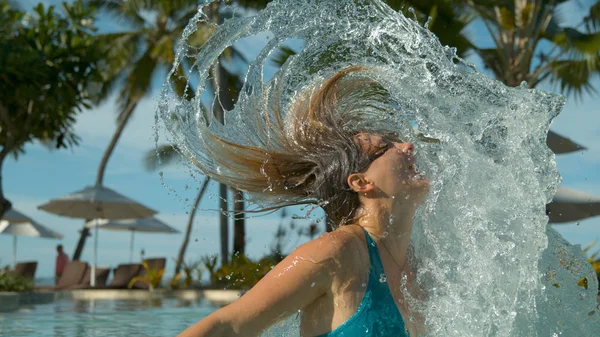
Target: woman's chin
420,188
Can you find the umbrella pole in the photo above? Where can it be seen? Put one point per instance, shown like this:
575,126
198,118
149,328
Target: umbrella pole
131,247
14,251
93,274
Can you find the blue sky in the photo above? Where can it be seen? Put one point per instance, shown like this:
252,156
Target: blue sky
40,175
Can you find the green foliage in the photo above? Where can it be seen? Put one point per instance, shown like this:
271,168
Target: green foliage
448,19
241,273
49,70
134,55
152,278
594,259
192,276
12,282
532,44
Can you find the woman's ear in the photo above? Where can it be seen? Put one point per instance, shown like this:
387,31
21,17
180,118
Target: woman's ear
359,184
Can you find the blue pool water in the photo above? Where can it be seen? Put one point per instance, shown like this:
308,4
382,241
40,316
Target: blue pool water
68,318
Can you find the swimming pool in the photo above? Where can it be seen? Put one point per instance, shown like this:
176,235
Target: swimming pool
70,318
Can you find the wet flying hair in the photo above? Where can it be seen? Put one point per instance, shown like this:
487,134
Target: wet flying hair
305,155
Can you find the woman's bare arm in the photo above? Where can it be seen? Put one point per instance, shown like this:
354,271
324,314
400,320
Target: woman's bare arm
293,284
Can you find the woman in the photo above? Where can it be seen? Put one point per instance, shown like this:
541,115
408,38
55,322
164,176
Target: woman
347,282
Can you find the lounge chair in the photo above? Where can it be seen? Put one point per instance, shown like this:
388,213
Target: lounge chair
25,269
123,275
156,263
72,275
101,277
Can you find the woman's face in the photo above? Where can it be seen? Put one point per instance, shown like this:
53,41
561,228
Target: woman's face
392,168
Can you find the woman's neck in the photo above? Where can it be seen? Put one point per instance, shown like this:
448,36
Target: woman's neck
390,222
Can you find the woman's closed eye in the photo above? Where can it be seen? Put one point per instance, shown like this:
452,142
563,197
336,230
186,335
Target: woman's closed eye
382,148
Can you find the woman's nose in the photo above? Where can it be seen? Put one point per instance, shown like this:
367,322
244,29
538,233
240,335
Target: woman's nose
407,148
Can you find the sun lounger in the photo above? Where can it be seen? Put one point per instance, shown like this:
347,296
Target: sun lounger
101,277
156,263
25,269
123,275
72,275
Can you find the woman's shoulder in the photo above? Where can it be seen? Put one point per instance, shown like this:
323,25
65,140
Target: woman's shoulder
342,242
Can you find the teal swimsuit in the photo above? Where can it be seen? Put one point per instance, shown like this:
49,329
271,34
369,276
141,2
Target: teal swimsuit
377,315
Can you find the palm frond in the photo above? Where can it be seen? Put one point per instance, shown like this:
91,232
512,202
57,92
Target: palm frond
588,247
575,40
448,20
164,50
138,80
491,60
121,48
253,4
281,55
592,20
202,33
574,76
129,10
171,8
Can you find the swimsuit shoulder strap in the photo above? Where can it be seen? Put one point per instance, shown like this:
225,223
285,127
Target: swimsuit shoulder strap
374,258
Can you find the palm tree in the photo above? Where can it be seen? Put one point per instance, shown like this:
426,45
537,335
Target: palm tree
135,56
153,39
531,46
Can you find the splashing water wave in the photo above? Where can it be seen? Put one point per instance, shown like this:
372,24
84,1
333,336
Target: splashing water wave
489,262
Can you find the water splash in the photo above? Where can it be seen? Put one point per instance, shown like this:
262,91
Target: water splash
485,255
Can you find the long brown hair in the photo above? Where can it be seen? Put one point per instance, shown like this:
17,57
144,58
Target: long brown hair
307,154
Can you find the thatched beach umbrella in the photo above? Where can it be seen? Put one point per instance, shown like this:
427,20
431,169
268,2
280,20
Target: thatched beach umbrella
570,205
16,224
148,225
97,202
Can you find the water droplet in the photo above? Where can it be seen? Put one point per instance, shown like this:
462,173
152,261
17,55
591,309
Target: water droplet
382,278
312,284
363,284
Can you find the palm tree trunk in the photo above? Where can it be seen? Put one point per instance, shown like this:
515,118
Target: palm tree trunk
103,163
223,197
224,223
5,205
7,146
239,224
188,231
328,227
225,103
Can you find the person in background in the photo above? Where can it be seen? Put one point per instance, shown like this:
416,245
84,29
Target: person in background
61,262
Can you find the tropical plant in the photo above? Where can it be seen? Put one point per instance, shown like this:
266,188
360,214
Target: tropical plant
153,277
41,100
135,56
594,259
532,45
13,282
193,272
241,273
226,85
447,19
